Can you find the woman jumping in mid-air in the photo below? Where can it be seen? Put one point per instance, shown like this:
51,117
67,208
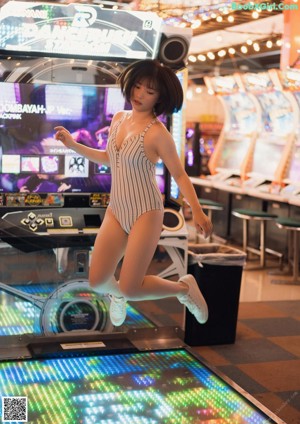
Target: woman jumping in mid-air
133,220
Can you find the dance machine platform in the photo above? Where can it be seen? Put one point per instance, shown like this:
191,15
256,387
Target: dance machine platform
130,386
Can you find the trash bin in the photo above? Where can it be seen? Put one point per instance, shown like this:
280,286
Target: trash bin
218,271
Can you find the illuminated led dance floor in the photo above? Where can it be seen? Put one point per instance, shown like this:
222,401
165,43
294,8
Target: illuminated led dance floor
155,387
18,316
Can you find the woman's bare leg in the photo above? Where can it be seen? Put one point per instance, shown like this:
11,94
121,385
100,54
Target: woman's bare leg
108,250
141,246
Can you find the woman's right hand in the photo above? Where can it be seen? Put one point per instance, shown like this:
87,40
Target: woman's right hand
63,135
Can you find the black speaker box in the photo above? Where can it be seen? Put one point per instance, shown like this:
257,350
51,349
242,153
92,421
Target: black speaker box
174,46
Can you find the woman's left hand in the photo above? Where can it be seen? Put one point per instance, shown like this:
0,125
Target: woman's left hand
202,223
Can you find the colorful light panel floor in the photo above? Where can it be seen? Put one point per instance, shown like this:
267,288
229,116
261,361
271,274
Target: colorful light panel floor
145,388
19,316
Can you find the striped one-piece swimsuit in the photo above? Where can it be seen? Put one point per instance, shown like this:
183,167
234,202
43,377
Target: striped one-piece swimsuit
134,189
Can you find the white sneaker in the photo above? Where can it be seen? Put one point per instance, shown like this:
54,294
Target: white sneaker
117,310
194,299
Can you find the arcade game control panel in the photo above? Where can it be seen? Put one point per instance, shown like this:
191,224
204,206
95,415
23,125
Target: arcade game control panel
37,229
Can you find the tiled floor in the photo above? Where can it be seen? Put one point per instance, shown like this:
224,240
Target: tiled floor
265,358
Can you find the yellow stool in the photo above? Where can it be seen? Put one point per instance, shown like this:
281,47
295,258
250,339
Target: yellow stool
248,215
293,228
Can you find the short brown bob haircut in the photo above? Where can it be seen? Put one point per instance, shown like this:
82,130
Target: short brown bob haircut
160,78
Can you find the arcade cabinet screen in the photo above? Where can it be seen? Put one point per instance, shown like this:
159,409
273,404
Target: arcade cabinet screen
32,161
233,154
267,157
242,123
277,113
278,122
242,113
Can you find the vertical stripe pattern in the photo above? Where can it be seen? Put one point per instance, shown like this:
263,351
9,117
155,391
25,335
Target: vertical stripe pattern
134,189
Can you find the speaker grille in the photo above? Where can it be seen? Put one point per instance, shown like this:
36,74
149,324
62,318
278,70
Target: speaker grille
173,50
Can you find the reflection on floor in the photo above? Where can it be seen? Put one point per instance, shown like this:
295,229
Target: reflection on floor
257,285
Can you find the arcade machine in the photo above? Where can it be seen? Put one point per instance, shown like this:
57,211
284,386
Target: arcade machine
52,200
291,192
60,359
192,149
280,116
201,139
229,163
51,197
273,147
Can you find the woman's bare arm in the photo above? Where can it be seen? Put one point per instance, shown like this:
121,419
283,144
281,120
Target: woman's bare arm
94,155
166,150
